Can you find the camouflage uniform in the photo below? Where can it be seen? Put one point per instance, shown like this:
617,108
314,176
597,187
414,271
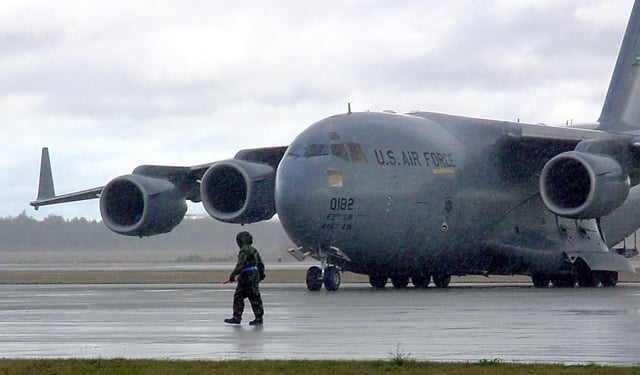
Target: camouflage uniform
249,271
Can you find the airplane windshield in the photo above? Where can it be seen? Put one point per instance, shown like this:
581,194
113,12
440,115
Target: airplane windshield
316,150
351,152
357,156
340,151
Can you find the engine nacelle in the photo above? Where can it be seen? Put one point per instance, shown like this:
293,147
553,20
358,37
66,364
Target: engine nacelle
582,185
238,191
136,205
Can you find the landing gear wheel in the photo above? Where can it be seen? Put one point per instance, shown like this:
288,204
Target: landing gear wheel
420,280
331,278
564,281
609,279
400,282
378,281
588,279
314,279
441,281
540,281
585,276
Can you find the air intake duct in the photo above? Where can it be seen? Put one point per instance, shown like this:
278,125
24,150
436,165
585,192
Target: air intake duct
238,191
136,205
582,185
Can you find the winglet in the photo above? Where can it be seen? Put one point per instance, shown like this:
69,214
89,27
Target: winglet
46,191
45,185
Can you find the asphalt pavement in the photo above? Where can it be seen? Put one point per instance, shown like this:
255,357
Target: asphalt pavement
513,322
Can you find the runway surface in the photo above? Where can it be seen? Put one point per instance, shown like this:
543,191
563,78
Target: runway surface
462,323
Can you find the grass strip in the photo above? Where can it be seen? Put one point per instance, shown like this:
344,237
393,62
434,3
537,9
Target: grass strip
392,366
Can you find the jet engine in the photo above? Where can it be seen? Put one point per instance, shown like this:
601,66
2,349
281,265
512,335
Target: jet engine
240,192
136,205
582,185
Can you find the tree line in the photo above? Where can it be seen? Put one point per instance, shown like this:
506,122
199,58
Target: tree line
24,233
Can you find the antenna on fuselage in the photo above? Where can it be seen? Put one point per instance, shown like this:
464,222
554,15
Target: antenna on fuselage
348,108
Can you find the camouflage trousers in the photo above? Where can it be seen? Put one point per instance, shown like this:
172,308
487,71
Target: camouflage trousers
252,292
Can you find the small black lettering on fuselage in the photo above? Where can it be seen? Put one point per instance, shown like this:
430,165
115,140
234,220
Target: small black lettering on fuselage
341,214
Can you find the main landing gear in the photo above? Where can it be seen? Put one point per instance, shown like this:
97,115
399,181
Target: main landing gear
580,274
316,277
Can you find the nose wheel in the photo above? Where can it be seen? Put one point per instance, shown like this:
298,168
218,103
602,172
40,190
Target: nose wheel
314,279
330,278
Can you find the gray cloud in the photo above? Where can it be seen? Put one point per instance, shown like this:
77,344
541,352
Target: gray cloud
111,85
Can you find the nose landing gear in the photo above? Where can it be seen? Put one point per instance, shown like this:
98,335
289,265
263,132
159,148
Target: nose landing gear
330,277
327,274
314,278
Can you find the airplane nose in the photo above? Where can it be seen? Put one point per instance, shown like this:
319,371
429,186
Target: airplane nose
297,198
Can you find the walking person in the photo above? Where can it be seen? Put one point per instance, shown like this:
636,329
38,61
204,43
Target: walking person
249,271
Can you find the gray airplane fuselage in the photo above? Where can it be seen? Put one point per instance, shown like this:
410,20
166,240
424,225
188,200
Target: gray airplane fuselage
400,194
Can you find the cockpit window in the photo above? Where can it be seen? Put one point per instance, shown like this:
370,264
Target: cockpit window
316,150
346,151
338,149
357,156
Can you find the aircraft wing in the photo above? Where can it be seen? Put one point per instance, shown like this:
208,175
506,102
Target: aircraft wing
523,152
92,193
152,199
553,133
46,191
518,130
184,177
523,149
528,146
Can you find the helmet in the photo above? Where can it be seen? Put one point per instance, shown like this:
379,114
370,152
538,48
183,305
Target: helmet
244,238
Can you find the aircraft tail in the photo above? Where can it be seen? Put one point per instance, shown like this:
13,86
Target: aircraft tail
621,110
45,185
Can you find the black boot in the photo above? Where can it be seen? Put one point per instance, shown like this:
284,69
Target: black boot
256,322
234,321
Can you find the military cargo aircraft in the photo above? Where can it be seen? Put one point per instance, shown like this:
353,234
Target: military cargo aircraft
419,196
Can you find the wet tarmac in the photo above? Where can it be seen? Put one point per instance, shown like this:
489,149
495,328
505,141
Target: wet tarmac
514,322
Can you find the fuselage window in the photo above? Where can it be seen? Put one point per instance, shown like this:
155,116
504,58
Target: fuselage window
334,177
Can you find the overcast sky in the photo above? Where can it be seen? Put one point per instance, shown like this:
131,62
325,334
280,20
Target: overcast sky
109,85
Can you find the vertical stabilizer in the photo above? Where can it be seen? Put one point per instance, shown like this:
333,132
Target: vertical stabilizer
621,108
45,186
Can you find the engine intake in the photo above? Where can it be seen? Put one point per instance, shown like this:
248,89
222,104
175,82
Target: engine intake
238,191
582,185
137,205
